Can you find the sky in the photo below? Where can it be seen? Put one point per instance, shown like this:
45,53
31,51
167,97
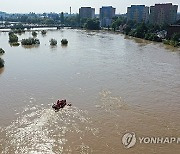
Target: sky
40,6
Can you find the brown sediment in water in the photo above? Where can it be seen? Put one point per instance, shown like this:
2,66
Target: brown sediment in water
116,85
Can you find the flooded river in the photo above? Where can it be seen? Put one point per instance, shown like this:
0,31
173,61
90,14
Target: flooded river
116,85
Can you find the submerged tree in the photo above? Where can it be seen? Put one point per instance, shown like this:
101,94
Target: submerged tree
64,41
30,41
34,34
43,32
13,38
1,51
53,42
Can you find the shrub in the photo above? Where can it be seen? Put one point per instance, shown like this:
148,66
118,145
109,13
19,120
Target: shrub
10,32
92,24
171,42
53,42
30,41
127,30
176,37
34,34
174,43
166,41
152,37
64,41
132,33
43,32
13,38
2,51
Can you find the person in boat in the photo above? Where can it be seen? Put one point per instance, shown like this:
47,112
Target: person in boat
61,104
57,102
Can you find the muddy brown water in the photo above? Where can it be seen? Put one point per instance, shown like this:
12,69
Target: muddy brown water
116,84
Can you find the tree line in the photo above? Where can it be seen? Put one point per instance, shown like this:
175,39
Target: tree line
128,27
152,32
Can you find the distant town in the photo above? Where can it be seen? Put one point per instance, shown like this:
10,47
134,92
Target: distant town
155,23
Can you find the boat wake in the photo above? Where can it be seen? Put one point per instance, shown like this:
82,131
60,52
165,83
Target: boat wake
41,130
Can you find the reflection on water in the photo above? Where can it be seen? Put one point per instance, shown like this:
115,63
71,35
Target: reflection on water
115,85
1,63
30,46
64,45
41,130
53,46
44,35
14,45
1,70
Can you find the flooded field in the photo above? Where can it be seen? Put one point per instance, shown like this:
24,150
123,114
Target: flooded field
115,84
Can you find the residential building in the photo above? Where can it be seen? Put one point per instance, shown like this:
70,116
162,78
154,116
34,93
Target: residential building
163,13
87,12
178,16
138,13
106,15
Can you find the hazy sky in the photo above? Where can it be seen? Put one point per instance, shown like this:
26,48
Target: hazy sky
40,6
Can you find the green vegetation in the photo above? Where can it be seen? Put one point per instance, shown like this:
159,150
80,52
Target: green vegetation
53,42
10,32
45,19
64,41
12,37
18,31
141,30
176,37
73,21
117,21
43,32
30,41
152,37
92,24
132,28
174,41
15,44
34,34
1,51
1,62
31,18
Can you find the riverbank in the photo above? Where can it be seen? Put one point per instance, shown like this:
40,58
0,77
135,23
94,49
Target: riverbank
172,42
164,41
152,32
